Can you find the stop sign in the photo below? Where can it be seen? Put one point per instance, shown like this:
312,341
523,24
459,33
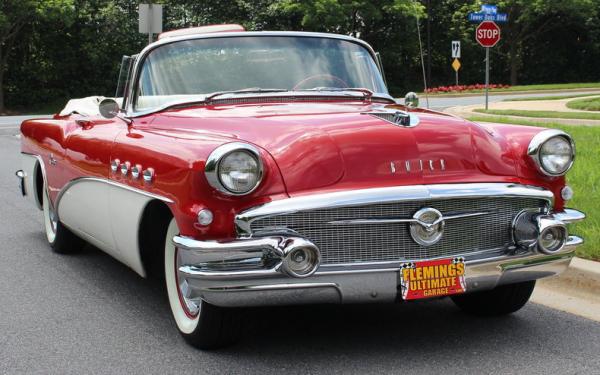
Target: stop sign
487,34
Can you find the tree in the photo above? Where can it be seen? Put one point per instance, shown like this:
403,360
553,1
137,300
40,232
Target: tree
15,15
529,20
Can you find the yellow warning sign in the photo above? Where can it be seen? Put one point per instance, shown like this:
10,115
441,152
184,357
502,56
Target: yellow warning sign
456,65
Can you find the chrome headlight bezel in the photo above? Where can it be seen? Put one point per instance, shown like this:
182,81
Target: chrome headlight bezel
538,141
213,162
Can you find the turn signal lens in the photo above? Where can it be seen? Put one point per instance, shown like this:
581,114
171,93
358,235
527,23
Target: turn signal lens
205,217
566,193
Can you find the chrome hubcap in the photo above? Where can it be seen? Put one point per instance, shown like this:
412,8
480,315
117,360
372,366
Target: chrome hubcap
190,307
53,220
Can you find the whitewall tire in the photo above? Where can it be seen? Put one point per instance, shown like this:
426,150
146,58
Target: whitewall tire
60,239
203,325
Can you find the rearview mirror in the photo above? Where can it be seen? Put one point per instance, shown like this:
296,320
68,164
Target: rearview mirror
108,108
411,100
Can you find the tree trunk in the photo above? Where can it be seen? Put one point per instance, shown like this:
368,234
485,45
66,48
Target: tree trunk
514,64
1,82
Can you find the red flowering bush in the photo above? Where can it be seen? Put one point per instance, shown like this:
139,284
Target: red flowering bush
463,88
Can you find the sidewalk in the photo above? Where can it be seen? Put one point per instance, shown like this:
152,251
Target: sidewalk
576,291
533,105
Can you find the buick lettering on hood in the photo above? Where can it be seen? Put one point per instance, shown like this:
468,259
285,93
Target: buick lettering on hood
273,168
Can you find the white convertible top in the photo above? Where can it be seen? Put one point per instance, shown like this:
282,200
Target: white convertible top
86,106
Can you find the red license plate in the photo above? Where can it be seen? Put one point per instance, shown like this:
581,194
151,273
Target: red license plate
432,278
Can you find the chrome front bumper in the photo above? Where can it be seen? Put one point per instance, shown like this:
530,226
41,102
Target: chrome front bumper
248,272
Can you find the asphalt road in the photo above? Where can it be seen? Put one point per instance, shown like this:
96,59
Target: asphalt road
87,313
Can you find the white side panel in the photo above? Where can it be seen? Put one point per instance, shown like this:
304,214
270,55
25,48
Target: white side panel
28,165
108,215
83,207
126,209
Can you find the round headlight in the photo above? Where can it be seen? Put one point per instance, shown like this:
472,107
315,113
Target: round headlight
239,172
553,152
234,168
556,155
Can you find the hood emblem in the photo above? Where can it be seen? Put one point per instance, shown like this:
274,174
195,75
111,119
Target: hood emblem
428,226
431,164
394,116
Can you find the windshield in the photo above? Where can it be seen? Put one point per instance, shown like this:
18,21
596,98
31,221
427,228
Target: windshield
192,68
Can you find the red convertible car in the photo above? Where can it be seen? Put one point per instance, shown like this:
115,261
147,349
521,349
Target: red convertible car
273,168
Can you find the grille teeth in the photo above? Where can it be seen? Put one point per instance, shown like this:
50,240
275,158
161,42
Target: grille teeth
392,242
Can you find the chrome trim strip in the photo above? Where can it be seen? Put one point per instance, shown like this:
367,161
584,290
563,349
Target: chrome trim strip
569,215
536,143
108,182
195,272
408,220
252,245
386,195
250,288
149,48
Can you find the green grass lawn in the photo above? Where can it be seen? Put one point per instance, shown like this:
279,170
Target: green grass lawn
540,114
550,86
591,104
584,178
556,97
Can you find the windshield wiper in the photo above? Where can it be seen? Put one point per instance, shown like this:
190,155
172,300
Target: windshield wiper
368,93
250,90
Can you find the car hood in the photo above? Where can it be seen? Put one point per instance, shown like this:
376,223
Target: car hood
340,145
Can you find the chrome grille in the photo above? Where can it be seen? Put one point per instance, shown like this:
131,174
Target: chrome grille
392,242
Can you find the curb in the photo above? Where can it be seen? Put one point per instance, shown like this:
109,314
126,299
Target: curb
582,275
524,92
465,112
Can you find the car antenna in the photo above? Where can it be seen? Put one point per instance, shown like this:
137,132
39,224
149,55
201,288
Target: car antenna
422,60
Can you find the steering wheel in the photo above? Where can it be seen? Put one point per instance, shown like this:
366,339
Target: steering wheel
321,76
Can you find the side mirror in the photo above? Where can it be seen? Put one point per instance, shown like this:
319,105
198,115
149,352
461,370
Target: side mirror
109,108
411,100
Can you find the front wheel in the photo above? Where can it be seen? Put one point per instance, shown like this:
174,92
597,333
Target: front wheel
61,239
201,324
502,300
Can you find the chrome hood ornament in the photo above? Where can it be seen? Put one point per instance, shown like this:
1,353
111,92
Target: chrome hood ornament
395,116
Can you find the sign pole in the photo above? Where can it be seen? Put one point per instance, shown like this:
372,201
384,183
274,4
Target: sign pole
150,21
457,78
150,17
487,75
